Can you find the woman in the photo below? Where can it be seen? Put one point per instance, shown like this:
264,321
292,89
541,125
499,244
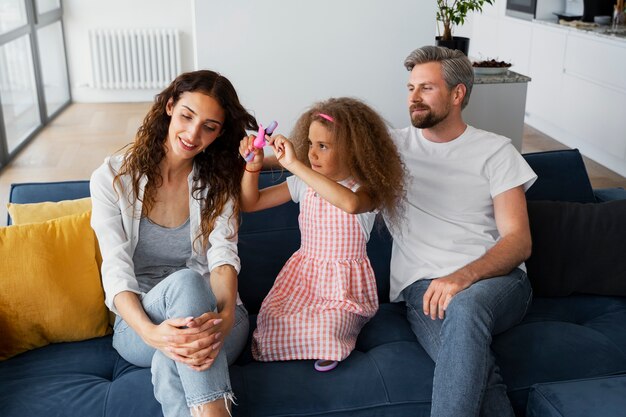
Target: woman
165,214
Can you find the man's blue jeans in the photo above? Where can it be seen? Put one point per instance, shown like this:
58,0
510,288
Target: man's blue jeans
467,381
177,387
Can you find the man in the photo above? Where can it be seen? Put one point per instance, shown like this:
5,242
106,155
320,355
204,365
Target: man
458,262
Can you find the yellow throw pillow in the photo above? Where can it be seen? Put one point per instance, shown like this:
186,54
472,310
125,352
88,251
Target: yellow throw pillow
50,289
48,210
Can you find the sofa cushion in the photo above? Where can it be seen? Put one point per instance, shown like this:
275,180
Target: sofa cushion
609,194
579,398
396,371
561,176
86,378
562,338
48,210
50,288
577,248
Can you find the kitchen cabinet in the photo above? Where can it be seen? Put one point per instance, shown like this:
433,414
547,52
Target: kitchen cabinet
593,120
594,89
484,39
514,38
505,39
546,69
578,89
596,59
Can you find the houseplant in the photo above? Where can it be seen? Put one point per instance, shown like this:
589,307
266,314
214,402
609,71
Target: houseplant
452,13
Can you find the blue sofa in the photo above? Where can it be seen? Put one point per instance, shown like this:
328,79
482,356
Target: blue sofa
574,337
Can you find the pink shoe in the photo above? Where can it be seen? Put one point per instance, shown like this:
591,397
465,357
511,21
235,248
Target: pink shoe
323,365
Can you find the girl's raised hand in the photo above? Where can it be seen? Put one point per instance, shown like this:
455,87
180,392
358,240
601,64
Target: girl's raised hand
284,150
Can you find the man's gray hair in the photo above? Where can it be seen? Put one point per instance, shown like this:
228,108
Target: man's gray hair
456,67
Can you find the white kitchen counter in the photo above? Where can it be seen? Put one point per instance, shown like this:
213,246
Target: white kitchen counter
497,104
601,32
578,90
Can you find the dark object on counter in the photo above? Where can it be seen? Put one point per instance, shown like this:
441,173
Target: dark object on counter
593,8
491,63
568,17
458,42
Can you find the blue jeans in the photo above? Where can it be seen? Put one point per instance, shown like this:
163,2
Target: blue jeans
177,387
467,381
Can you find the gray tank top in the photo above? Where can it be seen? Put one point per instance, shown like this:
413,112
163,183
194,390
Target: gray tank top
160,252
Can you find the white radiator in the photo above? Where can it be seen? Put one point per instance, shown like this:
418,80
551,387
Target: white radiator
134,58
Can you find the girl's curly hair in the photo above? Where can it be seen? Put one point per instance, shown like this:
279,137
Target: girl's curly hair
364,145
218,169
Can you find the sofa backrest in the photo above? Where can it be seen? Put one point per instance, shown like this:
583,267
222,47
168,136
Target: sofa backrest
37,192
268,238
561,177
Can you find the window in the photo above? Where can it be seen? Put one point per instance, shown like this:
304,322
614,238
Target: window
34,83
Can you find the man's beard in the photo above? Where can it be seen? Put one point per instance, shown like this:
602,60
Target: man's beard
428,119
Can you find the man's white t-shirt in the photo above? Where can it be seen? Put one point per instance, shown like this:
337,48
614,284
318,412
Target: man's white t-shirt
449,208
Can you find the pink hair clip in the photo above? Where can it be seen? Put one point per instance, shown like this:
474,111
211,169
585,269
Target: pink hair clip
327,117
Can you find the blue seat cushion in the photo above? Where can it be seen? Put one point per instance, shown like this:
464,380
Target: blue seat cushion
85,378
610,194
397,370
562,338
596,397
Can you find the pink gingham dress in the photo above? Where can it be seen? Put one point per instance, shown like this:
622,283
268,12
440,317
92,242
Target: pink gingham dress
324,294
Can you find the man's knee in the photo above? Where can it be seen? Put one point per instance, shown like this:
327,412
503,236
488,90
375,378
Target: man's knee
469,307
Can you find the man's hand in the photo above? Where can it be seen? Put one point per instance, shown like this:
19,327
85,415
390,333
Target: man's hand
441,291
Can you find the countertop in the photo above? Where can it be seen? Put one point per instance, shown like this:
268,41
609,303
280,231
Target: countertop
508,77
600,31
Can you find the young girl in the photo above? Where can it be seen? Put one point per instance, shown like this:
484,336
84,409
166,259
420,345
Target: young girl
345,168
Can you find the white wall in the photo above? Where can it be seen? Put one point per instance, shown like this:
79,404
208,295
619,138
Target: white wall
81,15
283,55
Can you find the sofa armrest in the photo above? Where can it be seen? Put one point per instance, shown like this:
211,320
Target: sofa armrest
609,194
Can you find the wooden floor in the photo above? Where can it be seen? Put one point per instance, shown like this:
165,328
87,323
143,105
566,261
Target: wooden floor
77,141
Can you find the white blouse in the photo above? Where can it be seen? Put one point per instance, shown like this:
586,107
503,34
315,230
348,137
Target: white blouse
115,219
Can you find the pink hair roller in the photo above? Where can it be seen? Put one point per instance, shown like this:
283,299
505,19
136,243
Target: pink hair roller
259,141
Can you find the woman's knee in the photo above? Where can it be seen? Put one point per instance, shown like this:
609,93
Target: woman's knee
190,288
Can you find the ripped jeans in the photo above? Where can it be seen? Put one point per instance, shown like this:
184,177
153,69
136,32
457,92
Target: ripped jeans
178,388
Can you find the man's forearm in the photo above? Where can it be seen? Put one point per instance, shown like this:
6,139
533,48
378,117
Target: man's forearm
502,258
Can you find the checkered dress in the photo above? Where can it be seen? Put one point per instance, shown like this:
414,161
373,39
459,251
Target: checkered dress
324,294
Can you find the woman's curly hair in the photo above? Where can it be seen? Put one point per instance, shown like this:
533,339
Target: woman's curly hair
218,169
364,145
